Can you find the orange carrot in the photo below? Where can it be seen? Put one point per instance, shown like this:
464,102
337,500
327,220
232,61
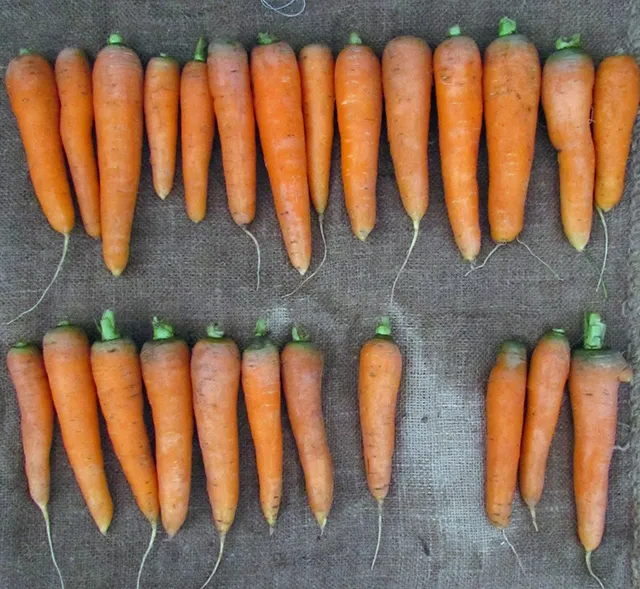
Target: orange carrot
67,358
359,105
117,104
457,68
278,104
261,386
73,78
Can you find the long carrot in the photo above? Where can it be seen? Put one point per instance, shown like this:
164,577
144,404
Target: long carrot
73,78
215,375
278,103
359,106
197,123
262,396
117,105
166,376
27,372
595,375
302,364
116,371
67,358
511,85
380,374
457,68
548,373
567,93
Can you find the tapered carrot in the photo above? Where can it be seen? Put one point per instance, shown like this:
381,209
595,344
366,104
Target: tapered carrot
379,380
278,104
261,386
302,364
116,371
407,76
117,105
548,373
511,87
567,92
457,68
67,358
167,379
359,106
27,372
197,126
215,375
73,78
595,375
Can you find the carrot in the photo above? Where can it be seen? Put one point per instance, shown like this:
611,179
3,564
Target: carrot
73,78
198,129
595,375
407,76
567,92
117,104
547,379
32,91
215,374
302,364
116,371
379,380
230,85
161,105
166,376
511,89
457,68
278,103
67,358
359,106
261,386
26,369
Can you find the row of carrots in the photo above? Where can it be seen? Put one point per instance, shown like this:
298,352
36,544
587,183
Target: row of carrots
72,377
522,414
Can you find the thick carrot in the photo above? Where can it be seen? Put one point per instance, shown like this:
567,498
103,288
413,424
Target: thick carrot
67,358
595,375
215,375
511,85
278,103
198,129
73,78
380,374
505,416
457,68
615,105
548,373
359,106
567,93
302,364
27,372
117,104
166,375
262,396
161,106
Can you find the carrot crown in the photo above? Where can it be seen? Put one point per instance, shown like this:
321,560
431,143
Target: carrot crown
21,345
594,331
383,328
214,331
23,51
354,39
573,42
260,338
161,330
107,326
200,53
506,27
115,39
300,334
266,39
454,31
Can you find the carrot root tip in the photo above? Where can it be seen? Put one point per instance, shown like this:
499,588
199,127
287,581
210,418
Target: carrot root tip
375,554
504,535
414,239
154,532
272,529
255,242
222,537
587,559
606,249
532,511
537,257
47,523
484,262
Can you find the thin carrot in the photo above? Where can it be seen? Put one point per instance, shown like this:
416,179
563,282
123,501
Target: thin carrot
277,97
73,78
215,374
67,358
166,376
117,104
262,396
359,106
198,128
379,380
27,372
457,68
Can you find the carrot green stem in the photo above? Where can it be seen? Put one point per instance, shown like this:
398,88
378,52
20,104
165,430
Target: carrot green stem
161,330
21,344
214,331
300,334
107,327
354,39
506,27
572,42
115,39
384,327
201,50
266,39
454,31
64,323
164,55
24,51
558,330
261,328
594,331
